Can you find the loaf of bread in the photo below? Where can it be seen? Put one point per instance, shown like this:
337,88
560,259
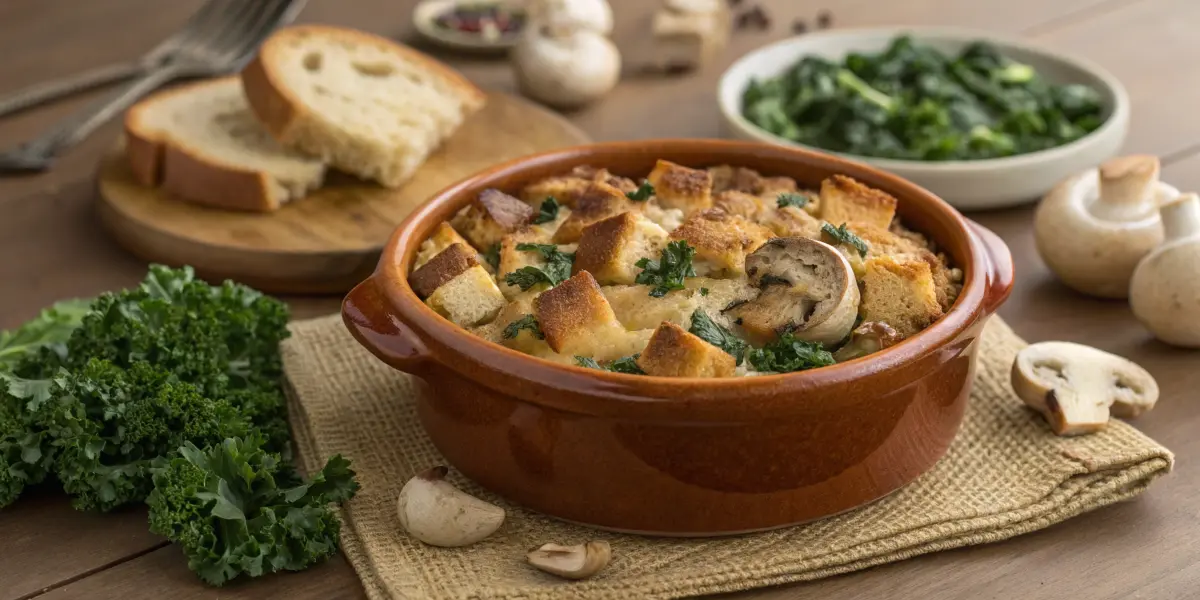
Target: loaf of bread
364,104
201,142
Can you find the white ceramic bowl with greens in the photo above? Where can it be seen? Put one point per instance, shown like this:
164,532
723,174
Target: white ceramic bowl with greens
968,184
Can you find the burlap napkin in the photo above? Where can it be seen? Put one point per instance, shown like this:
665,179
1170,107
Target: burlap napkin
1004,475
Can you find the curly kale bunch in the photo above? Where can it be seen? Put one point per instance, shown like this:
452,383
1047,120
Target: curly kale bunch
914,102
25,452
222,339
234,510
109,425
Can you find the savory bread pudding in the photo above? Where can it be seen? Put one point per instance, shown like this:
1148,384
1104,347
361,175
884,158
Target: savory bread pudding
715,272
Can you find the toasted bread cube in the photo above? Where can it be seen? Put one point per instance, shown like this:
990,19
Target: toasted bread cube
738,179
790,221
899,291
577,320
844,199
443,237
455,285
673,352
885,242
637,309
600,201
565,189
444,266
492,216
677,186
772,187
609,249
722,241
742,204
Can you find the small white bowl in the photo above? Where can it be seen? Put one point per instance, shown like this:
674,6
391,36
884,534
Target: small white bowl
966,184
425,19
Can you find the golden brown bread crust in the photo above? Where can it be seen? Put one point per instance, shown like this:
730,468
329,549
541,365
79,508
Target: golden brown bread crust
598,202
677,186
601,243
279,110
566,190
570,309
440,269
742,204
157,163
721,238
899,291
844,199
673,352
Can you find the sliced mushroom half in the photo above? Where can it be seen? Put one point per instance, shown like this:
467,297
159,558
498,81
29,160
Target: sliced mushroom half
572,562
1076,387
806,287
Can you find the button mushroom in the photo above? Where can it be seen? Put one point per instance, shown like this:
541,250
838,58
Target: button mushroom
1165,291
564,58
571,562
1093,228
1076,387
806,287
868,338
432,510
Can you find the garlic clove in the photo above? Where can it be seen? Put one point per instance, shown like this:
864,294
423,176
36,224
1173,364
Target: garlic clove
432,510
572,562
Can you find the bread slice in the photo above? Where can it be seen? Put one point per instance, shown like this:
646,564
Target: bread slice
202,143
365,104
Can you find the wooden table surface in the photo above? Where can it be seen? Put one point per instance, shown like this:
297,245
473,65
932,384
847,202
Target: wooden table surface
51,248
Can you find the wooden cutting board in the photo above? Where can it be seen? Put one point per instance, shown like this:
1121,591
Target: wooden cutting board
329,241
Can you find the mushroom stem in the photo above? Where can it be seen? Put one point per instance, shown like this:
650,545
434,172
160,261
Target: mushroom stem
1181,217
1127,188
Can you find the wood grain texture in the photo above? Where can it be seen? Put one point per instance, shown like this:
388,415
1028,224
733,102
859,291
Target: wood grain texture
51,247
330,240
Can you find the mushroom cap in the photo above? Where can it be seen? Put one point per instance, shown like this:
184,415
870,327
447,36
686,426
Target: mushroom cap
567,69
1165,291
1076,387
1094,227
868,338
807,288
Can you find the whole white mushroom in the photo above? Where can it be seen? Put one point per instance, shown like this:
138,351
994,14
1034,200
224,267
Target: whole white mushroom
565,67
592,15
1093,228
1165,290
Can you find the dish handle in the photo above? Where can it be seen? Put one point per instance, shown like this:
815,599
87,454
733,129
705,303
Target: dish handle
369,317
999,266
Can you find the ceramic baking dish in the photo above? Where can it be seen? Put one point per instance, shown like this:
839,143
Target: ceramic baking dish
685,457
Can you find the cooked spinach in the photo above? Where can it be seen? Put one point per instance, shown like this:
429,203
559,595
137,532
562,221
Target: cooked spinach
914,102
625,364
708,330
668,272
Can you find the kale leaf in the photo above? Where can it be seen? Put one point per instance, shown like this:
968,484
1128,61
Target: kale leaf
791,199
26,456
236,510
43,337
668,272
556,270
914,102
492,255
548,211
788,354
625,364
708,330
529,322
840,235
642,193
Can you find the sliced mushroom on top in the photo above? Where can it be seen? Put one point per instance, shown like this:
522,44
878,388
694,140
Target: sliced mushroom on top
806,288
1076,387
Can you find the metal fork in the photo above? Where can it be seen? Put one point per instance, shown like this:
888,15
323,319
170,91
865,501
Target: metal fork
221,47
46,91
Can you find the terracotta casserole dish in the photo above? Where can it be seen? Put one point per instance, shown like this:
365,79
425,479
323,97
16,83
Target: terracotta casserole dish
675,456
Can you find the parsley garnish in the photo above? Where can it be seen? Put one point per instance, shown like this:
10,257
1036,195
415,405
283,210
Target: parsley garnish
627,364
789,354
706,329
703,291
526,322
667,273
548,212
492,255
641,194
556,270
841,235
791,199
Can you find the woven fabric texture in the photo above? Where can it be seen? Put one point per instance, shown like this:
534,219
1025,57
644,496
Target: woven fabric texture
1004,475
